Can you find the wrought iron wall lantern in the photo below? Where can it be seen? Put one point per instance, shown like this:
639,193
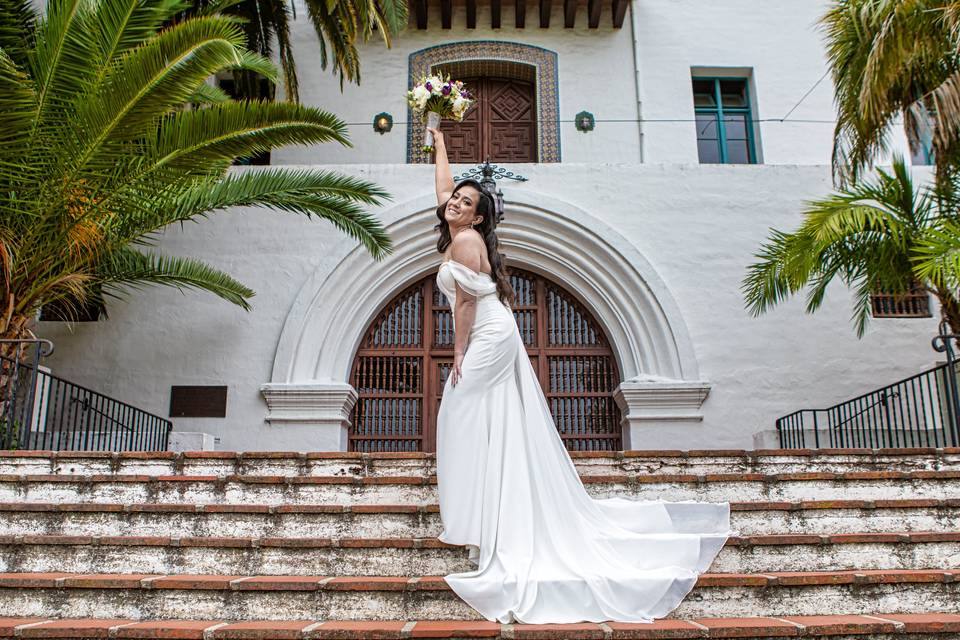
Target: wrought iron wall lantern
382,122
488,174
585,121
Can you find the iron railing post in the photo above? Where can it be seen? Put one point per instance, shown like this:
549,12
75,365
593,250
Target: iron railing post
942,343
886,418
21,433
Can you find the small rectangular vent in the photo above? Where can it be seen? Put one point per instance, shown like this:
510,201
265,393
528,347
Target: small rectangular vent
198,401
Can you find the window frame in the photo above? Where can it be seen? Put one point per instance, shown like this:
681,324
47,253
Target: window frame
925,157
719,112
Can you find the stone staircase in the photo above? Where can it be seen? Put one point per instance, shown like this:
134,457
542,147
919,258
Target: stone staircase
833,543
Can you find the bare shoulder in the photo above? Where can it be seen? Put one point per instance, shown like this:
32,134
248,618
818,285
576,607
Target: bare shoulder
468,248
468,238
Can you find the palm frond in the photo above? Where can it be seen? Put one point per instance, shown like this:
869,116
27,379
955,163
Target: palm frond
129,268
17,27
97,166
863,235
311,193
883,57
207,94
937,254
157,79
65,42
17,104
238,129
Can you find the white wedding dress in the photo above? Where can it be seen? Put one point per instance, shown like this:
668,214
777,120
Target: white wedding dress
546,551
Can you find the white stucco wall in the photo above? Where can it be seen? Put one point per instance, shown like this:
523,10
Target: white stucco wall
776,43
582,54
697,226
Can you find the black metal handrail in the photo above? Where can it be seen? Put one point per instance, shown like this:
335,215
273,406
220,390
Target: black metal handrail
919,411
43,411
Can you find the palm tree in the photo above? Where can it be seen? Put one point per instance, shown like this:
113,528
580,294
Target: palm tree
893,59
99,151
874,236
340,26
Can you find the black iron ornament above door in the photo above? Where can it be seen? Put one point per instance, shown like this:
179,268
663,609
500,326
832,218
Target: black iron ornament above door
488,174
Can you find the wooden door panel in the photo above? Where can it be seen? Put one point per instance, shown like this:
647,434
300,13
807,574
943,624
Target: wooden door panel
509,100
510,142
500,125
463,142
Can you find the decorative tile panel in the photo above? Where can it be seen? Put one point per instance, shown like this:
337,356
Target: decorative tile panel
492,56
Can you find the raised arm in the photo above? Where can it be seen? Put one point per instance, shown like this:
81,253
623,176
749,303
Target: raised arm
444,176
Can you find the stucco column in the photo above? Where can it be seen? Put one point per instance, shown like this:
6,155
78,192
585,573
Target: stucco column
655,409
315,413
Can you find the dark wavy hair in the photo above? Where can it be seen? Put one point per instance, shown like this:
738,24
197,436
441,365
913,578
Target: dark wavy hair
486,208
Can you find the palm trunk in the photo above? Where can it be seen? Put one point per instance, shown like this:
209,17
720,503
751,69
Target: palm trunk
949,309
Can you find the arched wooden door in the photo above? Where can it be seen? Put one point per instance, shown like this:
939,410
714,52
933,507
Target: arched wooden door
404,358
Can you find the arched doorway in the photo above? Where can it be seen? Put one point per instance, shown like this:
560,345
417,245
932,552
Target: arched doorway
404,358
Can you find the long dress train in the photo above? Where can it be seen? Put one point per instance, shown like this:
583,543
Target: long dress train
545,550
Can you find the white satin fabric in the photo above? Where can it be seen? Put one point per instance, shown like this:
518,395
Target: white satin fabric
546,551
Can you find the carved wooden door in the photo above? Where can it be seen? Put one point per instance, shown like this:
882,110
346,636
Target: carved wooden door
501,124
404,358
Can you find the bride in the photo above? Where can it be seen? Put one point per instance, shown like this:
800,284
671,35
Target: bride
545,551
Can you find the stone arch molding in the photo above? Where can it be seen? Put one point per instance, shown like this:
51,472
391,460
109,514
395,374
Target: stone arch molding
309,385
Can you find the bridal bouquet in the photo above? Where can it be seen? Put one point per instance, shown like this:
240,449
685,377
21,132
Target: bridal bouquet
435,98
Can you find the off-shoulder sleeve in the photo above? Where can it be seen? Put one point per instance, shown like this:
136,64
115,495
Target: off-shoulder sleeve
476,284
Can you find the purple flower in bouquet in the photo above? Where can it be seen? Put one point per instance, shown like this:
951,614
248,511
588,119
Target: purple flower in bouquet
446,89
428,86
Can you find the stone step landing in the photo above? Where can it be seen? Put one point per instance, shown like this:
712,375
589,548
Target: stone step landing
303,545
427,556
879,627
260,597
732,487
354,464
809,517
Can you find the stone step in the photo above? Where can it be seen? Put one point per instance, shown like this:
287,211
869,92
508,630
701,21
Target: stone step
238,597
942,626
732,487
281,463
429,556
824,517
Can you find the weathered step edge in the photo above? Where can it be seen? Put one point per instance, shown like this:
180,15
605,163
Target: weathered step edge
649,478
360,464
234,542
179,507
437,583
419,455
942,625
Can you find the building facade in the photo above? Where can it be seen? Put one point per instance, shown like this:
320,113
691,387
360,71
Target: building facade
660,141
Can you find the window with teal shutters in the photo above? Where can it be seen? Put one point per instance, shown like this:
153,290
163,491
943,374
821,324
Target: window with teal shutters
724,121
923,155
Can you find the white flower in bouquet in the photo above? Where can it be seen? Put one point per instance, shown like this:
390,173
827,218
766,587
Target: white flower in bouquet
420,97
